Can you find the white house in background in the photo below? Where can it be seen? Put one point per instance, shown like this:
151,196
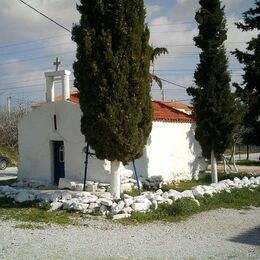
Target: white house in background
51,144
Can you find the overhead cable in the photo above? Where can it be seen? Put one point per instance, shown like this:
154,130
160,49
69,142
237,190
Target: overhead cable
47,17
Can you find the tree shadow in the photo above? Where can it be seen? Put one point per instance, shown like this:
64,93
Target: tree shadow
199,164
250,237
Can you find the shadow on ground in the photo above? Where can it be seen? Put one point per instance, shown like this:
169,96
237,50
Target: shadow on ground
250,237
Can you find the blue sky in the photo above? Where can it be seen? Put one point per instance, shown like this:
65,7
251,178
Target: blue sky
29,44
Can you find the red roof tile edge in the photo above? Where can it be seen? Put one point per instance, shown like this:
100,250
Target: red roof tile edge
161,112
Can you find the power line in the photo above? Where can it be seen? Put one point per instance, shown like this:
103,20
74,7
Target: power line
31,71
36,58
47,17
29,42
170,82
38,48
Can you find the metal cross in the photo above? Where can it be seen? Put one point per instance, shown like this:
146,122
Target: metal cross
57,63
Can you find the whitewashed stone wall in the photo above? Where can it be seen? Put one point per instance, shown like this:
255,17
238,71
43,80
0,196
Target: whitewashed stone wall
171,151
36,133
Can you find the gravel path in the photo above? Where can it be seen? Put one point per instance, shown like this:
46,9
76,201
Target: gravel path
219,234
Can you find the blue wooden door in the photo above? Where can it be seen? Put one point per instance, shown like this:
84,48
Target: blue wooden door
59,169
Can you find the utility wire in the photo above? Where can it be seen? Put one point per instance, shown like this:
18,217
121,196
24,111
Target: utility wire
36,58
29,42
47,17
170,82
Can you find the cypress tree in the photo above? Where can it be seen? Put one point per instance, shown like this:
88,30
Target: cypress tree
113,79
212,99
249,92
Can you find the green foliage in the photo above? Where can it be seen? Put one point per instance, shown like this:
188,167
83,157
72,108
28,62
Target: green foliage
11,153
113,78
213,102
248,163
185,185
249,91
29,212
183,208
7,182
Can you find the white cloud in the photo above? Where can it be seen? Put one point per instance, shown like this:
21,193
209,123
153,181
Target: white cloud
153,9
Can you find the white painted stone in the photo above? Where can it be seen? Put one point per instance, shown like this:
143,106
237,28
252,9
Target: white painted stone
106,202
165,195
158,198
174,195
118,208
138,206
67,204
139,198
56,205
141,205
252,180
55,196
160,192
103,210
236,180
106,195
91,199
24,196
126,187
127,210
198,191
81,194
246,181
126,196
128,202
92,187
87,211
126,173
121,216
155,204
93,205
66,195
197,202
43,197
149,195
78,206
169,201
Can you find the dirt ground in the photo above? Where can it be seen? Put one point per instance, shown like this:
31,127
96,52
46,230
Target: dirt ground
242,168
217,234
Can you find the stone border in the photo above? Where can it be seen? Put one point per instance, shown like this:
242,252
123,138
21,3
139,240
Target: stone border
106,205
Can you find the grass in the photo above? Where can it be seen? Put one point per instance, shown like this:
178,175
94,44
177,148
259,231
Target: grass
29,212
248,163
29,226
10,153
184,185
187,185
184,208
7,182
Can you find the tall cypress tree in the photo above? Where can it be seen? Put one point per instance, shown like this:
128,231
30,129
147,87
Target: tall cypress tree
113,79
249,93
212,99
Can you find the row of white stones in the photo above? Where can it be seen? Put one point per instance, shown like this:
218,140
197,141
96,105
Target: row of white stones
104,203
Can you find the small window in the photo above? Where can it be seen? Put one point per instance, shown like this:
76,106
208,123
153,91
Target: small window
61,154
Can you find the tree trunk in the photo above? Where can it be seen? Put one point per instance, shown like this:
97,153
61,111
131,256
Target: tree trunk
232,153
115,182
247,152
234,160
225,164
214,171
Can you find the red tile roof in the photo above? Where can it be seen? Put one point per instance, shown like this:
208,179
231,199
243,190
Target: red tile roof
177,105
161,111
